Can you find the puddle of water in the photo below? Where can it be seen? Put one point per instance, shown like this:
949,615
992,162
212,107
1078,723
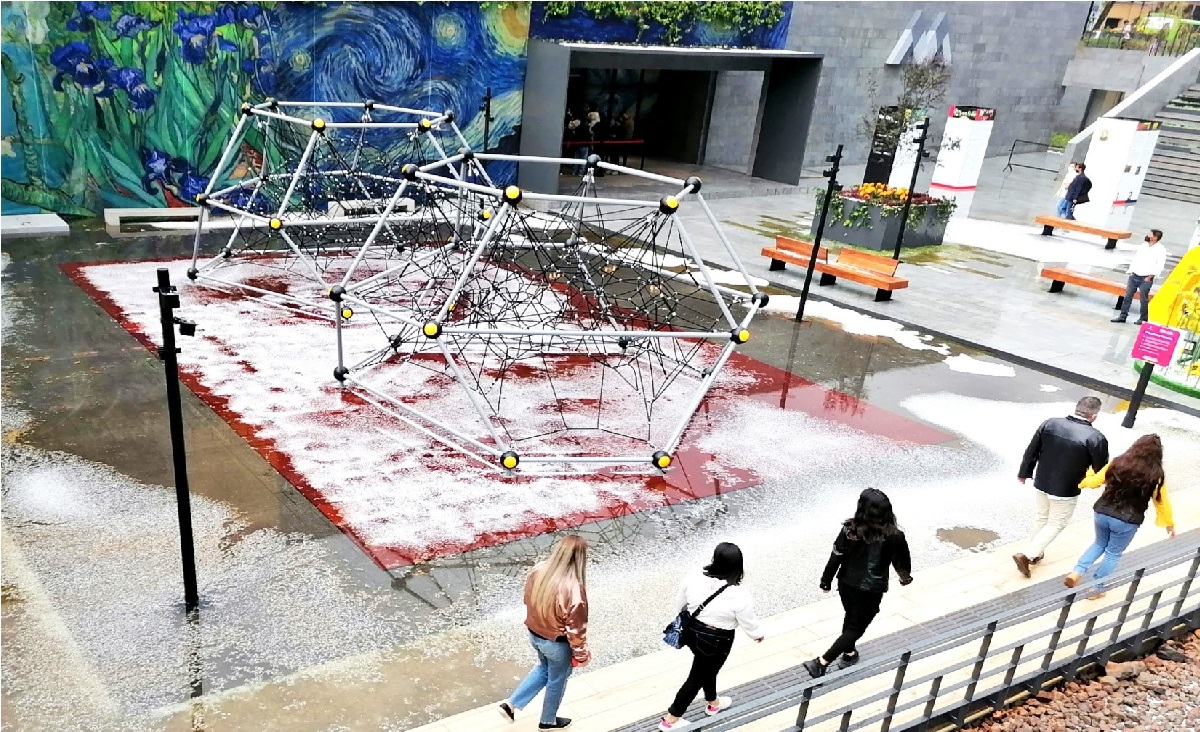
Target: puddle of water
967,537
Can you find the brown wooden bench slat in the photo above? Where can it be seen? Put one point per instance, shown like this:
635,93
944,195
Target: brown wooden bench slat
863,260
1050,223
799,246
1060,276
860,267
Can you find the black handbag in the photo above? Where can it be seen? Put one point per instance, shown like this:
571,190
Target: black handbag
676,633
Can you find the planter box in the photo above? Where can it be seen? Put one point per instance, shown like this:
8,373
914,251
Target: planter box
881,235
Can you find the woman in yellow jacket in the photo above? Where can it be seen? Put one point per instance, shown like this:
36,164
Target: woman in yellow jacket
1131,482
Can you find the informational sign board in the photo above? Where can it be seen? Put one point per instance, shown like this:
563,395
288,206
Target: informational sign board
1155,344
1116,162
964,144
906,152
883,150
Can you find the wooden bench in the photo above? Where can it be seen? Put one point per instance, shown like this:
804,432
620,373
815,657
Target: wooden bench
1061,276
1050,223
867,269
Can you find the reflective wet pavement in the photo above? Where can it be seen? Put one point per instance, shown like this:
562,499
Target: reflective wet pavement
300,630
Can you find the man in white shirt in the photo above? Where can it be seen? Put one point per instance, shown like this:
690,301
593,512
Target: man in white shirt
1148,262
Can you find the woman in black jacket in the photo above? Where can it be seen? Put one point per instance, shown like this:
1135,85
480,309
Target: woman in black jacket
867,547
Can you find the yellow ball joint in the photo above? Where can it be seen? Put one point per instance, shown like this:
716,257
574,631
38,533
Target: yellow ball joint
510,460
409,171
661,460
485,214
668,205
247,109
318,124
347,313
275,224
513,195
202,199
425,125
432,329
739,335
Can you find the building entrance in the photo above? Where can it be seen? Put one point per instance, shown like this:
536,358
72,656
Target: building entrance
625,114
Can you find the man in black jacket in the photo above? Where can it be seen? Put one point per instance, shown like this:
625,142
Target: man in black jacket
1062,450
1076,192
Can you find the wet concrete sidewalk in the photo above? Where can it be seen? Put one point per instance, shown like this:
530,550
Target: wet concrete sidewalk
630,696
983,287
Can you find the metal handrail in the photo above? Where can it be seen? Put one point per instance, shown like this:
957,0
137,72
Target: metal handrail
1059,651
1040,146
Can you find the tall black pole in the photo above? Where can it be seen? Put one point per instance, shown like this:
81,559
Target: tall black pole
168,300
1135,401
830,190
486,108
924,126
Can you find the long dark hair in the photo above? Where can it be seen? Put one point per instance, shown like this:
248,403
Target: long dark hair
874,520
726,564
1136,475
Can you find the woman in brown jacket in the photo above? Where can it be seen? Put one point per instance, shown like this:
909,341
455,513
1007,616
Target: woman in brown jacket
556,615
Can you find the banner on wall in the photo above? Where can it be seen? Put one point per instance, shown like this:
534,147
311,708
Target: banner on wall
960,159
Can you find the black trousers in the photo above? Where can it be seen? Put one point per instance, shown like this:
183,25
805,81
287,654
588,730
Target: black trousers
861,608
710,649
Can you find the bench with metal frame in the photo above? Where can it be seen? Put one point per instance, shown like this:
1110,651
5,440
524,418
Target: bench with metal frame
861,267
1061,276
1050,223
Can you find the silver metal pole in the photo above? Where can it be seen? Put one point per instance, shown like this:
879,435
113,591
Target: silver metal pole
694,403
312,143
362,252
472,395
729,250
695,255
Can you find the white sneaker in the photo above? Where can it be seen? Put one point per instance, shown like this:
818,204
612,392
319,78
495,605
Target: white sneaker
723,703
666,726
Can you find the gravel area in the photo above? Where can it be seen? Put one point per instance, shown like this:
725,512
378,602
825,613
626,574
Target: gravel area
1158,693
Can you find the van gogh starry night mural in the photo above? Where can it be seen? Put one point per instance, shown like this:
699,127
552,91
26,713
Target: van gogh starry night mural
129,104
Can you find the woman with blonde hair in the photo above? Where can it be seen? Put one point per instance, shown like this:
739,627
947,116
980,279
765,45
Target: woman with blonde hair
1132,481
556,616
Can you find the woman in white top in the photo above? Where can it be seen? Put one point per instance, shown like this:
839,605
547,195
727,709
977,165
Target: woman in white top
710,634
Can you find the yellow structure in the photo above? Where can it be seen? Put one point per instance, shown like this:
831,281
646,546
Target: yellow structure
1177,304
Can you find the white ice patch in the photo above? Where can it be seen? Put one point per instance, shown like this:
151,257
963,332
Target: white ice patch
1049,388
970,365
105,550
856,323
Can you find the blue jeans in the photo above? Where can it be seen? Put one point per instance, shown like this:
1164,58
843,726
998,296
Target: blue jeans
1065,209
1112,539
1140,285
554,666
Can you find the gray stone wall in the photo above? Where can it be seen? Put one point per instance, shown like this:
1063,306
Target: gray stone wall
732,127
1007,55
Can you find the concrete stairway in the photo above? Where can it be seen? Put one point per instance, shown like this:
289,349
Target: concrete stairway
1175,168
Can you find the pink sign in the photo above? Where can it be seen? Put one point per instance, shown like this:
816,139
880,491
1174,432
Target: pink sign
1155,344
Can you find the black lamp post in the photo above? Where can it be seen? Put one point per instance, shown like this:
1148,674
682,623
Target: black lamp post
486,108
830,189
924,128
168,301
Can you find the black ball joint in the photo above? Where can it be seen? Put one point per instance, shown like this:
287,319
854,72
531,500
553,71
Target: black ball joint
193,273
694,183
760,299
340,373
336,292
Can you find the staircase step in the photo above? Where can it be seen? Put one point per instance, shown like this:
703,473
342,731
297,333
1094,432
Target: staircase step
1168,193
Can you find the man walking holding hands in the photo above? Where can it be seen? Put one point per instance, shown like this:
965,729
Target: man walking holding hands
1062,450
1148,262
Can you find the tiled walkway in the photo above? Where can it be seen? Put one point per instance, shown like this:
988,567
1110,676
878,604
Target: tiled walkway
630,696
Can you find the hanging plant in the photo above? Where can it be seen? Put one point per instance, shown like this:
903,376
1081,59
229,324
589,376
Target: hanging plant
675,18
